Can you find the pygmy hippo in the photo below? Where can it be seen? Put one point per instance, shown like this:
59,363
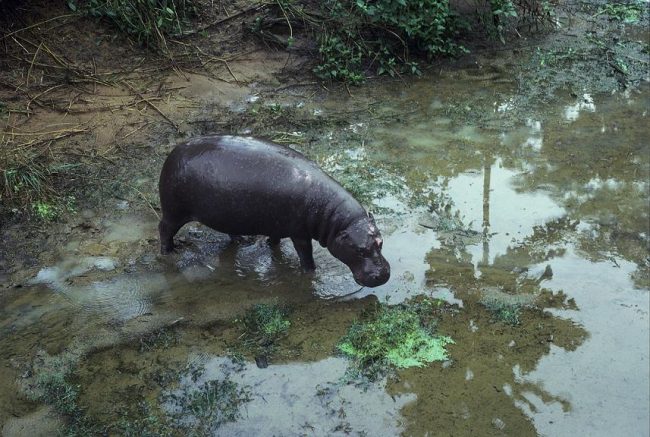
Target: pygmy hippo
247,186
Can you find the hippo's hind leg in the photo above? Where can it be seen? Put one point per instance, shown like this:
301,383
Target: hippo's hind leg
305,253
168,229
274,241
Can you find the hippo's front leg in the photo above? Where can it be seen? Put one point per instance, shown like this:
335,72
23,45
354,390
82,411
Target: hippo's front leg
304,249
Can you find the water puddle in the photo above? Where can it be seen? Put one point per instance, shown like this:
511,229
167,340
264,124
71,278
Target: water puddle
478,206
300,398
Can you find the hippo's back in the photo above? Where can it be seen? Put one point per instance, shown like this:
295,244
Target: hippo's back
244,186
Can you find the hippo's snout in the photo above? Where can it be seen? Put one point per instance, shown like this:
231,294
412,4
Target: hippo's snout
375,276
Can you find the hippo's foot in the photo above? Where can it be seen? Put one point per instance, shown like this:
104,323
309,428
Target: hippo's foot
305,253
237,238
166,249
167,230
262,361
273,241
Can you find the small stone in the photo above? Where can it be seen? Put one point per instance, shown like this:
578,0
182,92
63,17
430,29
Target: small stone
498,423
93,249
88,213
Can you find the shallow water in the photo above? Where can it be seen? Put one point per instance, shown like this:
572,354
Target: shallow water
476,199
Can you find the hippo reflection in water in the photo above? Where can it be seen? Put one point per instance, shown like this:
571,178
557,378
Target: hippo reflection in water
247,186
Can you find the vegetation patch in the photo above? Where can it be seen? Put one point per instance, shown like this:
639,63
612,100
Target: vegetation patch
265,324
628,13
504,312
54,387
148,22
145,421
160,339
397,336
205,407
262,327
356,38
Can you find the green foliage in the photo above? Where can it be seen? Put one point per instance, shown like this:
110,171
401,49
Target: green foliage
339,60
45,211
379,35
423,24
392,336
628,13
386,36
147,21
503,311
502,11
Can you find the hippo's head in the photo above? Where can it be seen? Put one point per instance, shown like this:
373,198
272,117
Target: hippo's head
359,247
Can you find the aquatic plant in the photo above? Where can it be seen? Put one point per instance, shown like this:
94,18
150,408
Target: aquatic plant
159,339
264,324
53,387
392,336
145,422
205,407
503,311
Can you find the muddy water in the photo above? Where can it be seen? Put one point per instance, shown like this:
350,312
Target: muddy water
545,207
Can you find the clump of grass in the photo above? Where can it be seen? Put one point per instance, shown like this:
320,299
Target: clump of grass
27,184
392,337
53,387
160,339
205,407
262,327
145,422
265,324
149,22
503,311
28,181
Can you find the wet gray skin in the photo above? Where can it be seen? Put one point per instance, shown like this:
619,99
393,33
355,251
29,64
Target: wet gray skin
550,213
246,186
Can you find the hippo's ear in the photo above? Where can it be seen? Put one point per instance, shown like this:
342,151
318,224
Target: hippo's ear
371,217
